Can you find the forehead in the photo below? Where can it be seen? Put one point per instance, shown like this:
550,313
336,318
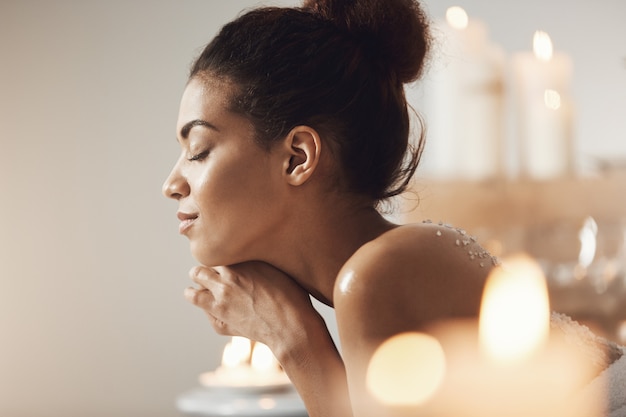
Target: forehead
206,98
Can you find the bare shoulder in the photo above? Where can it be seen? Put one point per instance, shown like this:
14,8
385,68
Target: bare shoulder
410,276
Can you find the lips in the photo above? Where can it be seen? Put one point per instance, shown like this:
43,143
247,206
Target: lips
186,221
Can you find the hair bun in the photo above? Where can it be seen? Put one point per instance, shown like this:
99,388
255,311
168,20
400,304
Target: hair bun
395,32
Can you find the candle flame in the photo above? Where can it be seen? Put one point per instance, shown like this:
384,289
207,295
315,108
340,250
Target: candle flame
406,369
236,352
542,46
457,17
241,352
588,241
515,312
262,358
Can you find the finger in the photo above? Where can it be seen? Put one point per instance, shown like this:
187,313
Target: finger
202,275
200,297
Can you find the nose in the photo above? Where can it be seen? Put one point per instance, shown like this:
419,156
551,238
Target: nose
175,186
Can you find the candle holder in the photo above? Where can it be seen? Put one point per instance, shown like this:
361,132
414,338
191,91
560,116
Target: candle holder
248,383
207,402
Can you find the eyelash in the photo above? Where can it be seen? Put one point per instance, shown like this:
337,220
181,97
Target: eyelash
199,157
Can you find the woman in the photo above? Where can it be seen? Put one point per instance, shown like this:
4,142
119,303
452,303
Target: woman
294,130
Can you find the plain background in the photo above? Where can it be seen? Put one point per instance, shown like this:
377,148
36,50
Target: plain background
92,317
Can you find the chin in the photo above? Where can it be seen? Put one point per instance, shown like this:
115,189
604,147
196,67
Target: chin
210,256
200,254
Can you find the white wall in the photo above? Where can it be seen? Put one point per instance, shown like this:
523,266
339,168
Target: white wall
92,318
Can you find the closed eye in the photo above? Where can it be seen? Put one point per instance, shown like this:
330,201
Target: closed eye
199,157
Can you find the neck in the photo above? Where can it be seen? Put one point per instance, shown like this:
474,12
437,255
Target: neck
317,242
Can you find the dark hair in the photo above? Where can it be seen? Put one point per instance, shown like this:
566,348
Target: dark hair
338,66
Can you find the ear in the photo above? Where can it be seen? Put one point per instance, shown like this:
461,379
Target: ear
304,146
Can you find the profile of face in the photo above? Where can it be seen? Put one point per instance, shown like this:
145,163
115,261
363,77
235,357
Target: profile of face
228,188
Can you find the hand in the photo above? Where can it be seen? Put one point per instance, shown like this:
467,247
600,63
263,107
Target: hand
251,299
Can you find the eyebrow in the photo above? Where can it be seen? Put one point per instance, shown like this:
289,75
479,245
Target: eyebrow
184,131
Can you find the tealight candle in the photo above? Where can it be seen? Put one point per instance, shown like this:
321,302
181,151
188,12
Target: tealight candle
248,382
246,367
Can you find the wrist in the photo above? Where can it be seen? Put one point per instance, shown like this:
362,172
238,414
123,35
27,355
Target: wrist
305,337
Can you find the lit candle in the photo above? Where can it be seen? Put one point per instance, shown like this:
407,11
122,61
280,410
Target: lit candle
515,314
544,109
506,364
246,367
249,382
463,95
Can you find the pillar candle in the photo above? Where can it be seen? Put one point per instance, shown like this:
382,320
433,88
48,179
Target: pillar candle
464,101
544,110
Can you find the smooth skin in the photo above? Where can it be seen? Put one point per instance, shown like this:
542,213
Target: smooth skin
271,227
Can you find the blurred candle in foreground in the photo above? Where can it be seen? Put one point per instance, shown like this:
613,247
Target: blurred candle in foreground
515,313
406,370
505,364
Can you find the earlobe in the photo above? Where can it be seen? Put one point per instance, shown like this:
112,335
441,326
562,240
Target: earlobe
304,148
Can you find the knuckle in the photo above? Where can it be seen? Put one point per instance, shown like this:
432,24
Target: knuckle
200,298
221,292
219,326
219,307
194,272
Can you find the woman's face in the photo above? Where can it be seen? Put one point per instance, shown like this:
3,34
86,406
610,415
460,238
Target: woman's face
227,187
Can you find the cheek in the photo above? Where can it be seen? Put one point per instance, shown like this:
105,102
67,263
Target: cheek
238,186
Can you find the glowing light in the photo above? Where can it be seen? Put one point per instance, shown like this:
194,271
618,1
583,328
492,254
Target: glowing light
406,369
542,46
457,17
588,238
262,358
552,99
515,311
236,352
267,403
246,364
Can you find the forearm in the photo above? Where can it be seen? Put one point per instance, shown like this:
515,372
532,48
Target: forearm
317,371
